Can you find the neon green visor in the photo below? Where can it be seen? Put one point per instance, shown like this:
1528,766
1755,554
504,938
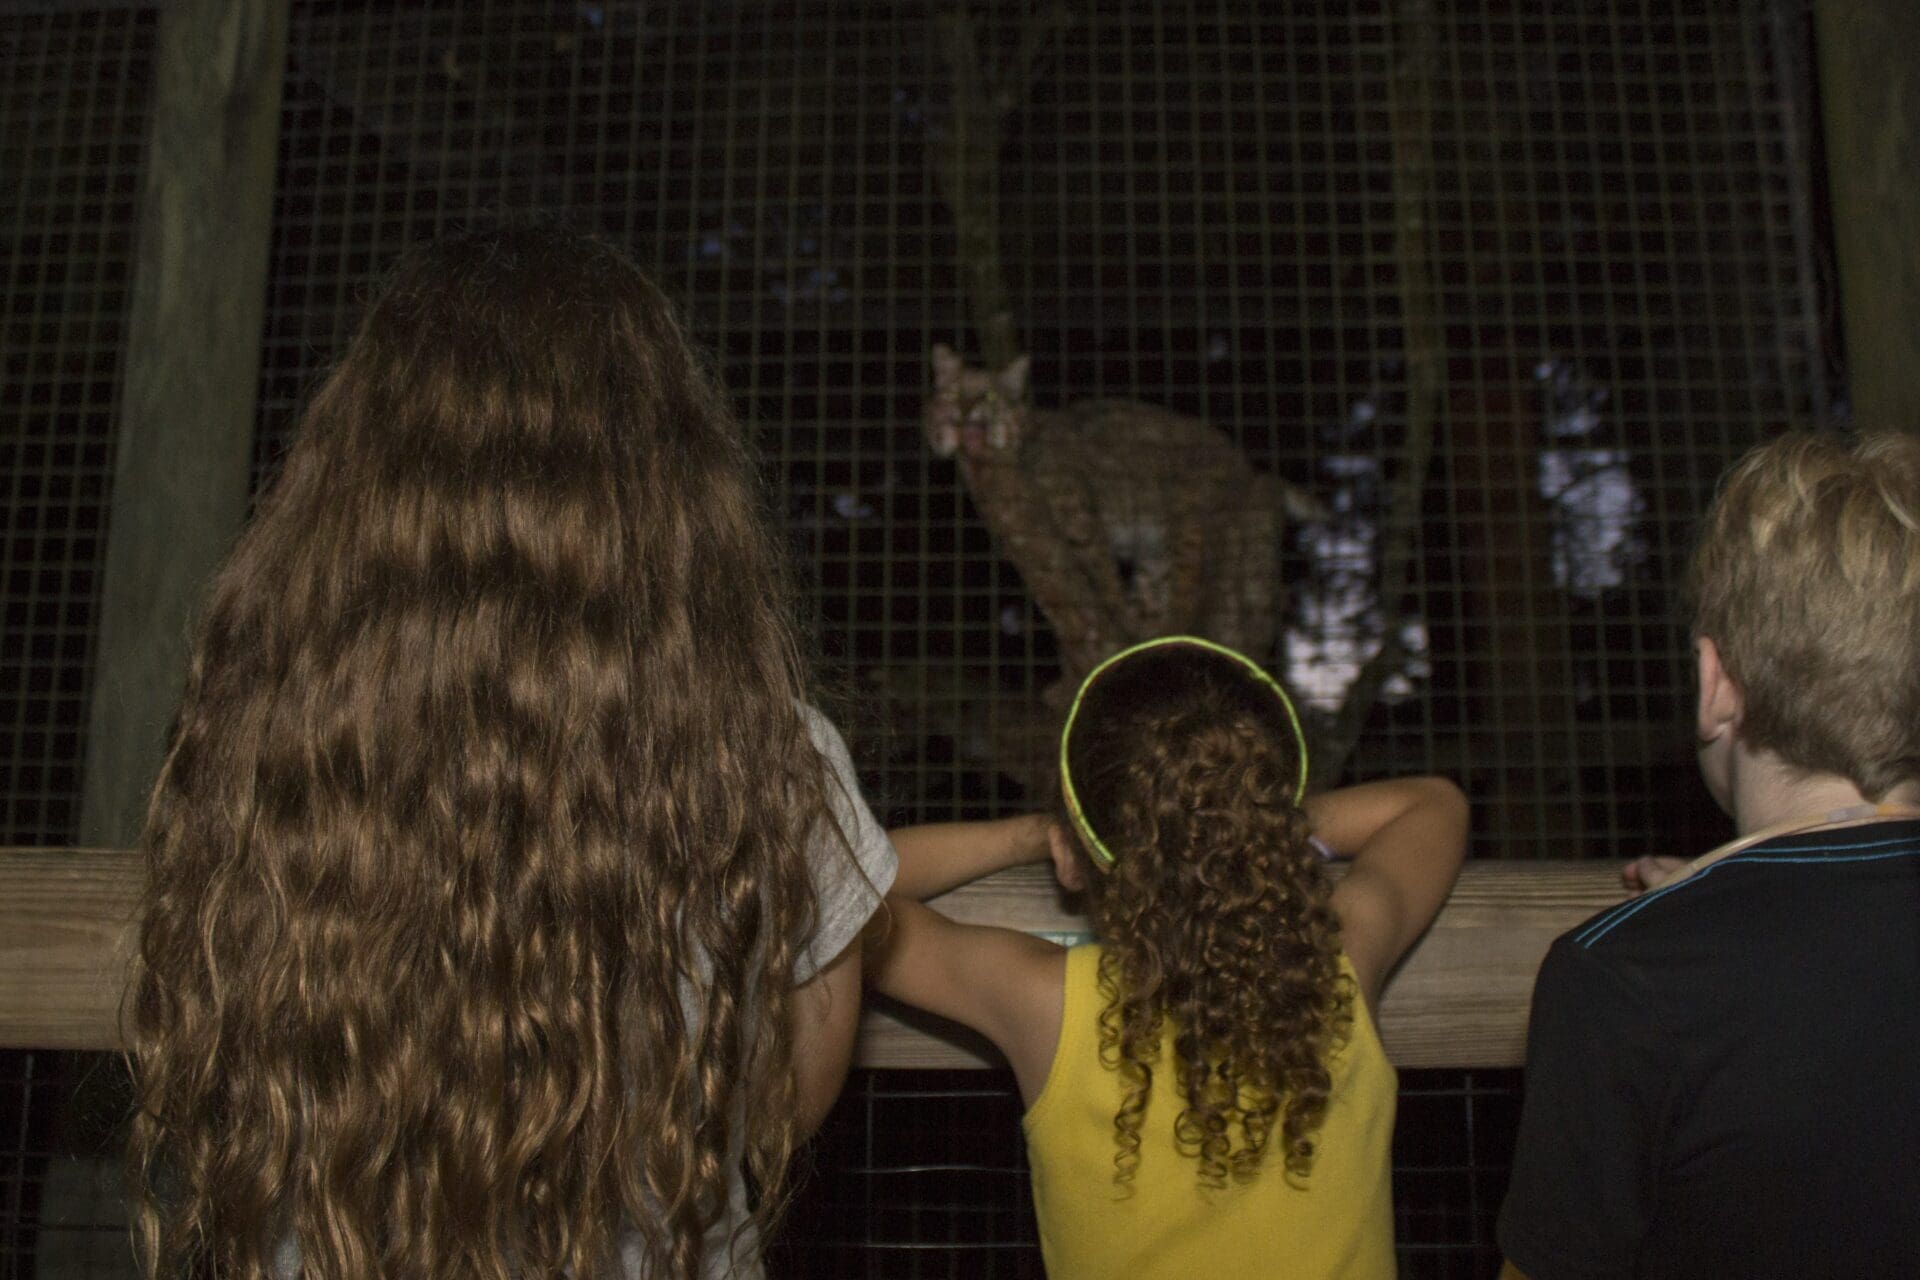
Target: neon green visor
1096,848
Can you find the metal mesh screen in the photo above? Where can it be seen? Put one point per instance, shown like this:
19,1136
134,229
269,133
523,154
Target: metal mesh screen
63,1212
1574,252
73,101
915,1173
1205,207
924,1174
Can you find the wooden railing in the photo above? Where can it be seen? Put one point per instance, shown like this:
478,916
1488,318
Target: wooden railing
1459,1000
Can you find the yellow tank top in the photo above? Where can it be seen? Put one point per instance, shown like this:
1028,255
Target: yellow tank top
1338,1223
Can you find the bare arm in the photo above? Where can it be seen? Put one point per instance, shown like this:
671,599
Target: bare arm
1004,984
1007,985
1407,838
824,1017
940,856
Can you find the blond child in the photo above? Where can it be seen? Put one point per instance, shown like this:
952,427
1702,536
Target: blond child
1720,1072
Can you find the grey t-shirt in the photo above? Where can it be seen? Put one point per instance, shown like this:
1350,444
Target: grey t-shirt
847,892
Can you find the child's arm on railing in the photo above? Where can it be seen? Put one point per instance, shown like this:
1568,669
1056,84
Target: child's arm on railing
1003,983
939,856
1407,838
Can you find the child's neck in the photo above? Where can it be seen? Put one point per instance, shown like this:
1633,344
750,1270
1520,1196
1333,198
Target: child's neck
1768,792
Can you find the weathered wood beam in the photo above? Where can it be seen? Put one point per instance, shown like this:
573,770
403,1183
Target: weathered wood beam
1870,101
185,436
66,939
1460,999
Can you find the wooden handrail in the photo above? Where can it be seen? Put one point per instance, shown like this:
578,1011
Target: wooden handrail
1460,1000
65,941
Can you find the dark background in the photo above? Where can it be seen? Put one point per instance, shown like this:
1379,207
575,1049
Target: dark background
1626,237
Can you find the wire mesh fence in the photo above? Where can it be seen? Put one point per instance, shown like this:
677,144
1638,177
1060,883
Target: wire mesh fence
924,1174
63,1213
916,1173
1209,208
1497,287
73,102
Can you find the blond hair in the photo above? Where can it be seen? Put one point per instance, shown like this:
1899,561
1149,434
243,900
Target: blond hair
1807,577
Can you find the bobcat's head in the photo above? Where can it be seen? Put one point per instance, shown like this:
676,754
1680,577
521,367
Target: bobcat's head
973,411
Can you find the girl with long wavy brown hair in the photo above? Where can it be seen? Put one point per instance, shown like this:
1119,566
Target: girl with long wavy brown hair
1206,1094
503,892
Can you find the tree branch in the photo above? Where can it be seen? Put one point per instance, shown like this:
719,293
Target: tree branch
1411,111
1012,88
968,167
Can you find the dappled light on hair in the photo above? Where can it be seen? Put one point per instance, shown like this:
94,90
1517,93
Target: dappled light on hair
1807,578
458,800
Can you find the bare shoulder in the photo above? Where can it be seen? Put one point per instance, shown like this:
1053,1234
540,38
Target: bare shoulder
1043,988
1007,985
1022,981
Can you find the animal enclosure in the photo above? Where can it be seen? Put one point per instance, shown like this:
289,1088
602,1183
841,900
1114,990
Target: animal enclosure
1436,322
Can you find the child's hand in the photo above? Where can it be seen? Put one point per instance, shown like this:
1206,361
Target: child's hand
1032,835
1643,874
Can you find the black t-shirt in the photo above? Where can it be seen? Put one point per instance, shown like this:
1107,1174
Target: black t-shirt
1723,1075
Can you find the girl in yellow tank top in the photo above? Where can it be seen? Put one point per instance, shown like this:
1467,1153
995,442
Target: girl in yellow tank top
1206,1092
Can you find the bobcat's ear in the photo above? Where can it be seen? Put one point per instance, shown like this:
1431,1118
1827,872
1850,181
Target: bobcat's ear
1012,378
946,365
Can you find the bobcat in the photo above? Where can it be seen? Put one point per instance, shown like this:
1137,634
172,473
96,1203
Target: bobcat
1125,520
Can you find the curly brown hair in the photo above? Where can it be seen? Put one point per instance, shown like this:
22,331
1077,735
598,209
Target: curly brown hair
1218,939
478,864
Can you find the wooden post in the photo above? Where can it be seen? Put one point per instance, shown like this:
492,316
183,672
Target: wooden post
1870,98
192,372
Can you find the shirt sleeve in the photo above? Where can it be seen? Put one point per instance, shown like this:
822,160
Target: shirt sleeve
847,889
1584,1167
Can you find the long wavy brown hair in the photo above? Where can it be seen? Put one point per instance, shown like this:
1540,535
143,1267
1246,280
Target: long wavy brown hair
1218,940
478,864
